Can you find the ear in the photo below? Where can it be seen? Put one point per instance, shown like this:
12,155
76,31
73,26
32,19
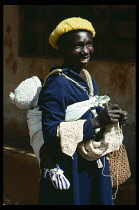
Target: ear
63,50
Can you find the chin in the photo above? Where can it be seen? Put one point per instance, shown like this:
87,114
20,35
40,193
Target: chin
83,65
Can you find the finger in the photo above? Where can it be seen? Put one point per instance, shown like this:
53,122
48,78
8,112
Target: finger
114,116
124,120
113,120
124,115
117,112
114,106
123,123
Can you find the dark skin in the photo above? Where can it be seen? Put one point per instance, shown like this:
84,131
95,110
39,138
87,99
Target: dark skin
77,49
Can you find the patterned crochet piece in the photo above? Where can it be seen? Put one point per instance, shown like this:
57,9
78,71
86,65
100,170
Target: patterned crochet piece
26,94
70,134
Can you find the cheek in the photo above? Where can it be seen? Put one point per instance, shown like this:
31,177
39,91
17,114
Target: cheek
92,51
73,54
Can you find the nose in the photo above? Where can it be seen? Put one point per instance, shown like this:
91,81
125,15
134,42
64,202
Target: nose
85,50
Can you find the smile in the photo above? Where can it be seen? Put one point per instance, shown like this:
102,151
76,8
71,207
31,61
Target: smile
84,60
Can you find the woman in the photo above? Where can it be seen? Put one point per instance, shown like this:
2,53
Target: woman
74,38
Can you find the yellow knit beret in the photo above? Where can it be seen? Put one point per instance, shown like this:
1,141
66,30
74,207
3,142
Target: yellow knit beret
67,25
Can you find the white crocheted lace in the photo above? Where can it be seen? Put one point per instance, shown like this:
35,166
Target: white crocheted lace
111,141
70,134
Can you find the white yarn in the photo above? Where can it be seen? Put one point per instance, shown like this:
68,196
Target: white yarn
111,141
26,94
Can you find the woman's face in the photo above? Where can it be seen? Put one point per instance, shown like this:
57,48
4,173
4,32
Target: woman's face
78,50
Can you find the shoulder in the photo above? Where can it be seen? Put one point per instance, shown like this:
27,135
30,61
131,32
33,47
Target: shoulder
56,79
55,76
54,84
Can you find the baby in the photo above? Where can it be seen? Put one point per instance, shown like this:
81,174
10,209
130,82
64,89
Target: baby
26,96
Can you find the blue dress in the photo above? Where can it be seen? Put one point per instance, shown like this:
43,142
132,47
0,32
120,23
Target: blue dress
87,184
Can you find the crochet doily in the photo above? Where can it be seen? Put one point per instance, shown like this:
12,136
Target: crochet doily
70,134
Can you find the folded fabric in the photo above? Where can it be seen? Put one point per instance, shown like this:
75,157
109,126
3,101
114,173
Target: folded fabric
34,117
57,177
76,110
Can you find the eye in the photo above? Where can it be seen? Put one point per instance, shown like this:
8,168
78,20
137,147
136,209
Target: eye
77,46
90,45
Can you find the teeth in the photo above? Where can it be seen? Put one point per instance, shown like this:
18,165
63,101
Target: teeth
84,59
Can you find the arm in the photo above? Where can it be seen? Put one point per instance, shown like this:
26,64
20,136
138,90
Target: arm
109,114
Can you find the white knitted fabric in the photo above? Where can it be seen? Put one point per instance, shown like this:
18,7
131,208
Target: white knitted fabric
70,134
26,94
111,141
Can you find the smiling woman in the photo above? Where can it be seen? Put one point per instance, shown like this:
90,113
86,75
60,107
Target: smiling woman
69,85
79,48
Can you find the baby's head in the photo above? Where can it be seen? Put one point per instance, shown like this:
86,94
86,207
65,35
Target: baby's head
26,94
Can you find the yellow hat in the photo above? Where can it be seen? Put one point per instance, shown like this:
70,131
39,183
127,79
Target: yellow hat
67,25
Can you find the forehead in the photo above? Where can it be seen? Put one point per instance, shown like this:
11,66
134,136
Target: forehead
78,36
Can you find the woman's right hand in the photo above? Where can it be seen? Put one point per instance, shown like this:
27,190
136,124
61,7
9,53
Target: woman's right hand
109,115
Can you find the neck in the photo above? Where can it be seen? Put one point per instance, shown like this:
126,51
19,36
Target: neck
77,69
